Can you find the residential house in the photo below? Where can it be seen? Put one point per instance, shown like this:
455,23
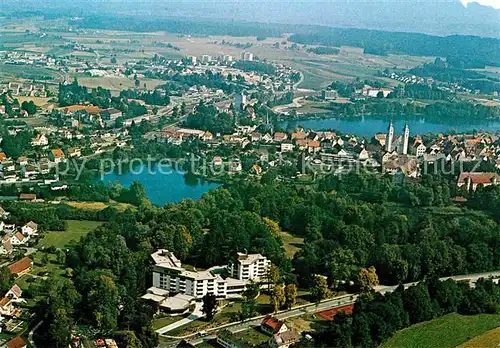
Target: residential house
3,213
30,229
279,136
14,293
57,155
6,247
286,147
58,186
27,197
272,325
74,152
18,239
255,136
40,140
28,171
284,339
3,156
109,116
22,160
21,267
267,138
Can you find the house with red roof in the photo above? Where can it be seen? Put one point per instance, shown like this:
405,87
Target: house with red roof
21,267
272,325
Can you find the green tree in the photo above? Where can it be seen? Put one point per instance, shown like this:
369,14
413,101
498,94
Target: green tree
6,280
103,301
29,106
367,278
61,256
342,265
278,297
272,276
319,288
290,295
209,306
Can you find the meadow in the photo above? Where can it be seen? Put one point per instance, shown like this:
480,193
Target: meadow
448,331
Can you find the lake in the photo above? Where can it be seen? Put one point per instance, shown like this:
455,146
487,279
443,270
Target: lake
171,187
368,126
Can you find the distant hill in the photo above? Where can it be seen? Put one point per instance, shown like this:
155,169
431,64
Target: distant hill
437,17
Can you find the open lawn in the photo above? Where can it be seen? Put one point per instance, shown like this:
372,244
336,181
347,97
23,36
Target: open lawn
291,244
161,322
253,336
76,230
490,339
448,331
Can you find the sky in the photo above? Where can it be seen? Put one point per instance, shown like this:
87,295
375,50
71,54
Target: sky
437,17
490,3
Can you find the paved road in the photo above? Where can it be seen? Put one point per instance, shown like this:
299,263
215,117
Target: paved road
311,308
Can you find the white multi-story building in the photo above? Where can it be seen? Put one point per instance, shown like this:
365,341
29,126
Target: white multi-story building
247,56
168,274
250,267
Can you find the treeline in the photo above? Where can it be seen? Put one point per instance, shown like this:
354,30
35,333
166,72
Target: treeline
152,98
420,91
376,317
52,217
471,50
447,111
284,99
324,50
255,66
207,79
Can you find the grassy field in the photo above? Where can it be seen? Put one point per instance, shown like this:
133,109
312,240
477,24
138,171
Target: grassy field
448,331
490,339
161,322
99,205
291,244
253,336
75,231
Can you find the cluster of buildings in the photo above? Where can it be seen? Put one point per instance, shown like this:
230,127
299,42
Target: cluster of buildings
175,287
15,237
24,89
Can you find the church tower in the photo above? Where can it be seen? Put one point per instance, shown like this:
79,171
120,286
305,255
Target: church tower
389,138
406,139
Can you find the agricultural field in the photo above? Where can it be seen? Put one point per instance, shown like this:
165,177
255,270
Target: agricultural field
76,230
448,331
490,339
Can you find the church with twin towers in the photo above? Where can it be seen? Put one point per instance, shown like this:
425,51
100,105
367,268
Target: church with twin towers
396,144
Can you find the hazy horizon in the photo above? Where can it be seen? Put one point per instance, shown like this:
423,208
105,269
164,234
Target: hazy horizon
438,17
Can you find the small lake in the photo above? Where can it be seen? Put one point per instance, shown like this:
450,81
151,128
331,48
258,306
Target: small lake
366,126
163,186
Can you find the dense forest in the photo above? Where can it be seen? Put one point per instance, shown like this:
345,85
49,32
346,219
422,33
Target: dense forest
407,231
472,51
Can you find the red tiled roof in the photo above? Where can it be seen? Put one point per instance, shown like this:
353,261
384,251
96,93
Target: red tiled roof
478,178
21,265
330,313
272,323
16,290
16,342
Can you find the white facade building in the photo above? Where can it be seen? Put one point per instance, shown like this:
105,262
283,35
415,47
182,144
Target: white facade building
247,56
168,274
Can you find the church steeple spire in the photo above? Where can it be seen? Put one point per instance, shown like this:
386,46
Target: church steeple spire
406,139
389,138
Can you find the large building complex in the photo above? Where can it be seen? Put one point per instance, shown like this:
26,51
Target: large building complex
169,275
